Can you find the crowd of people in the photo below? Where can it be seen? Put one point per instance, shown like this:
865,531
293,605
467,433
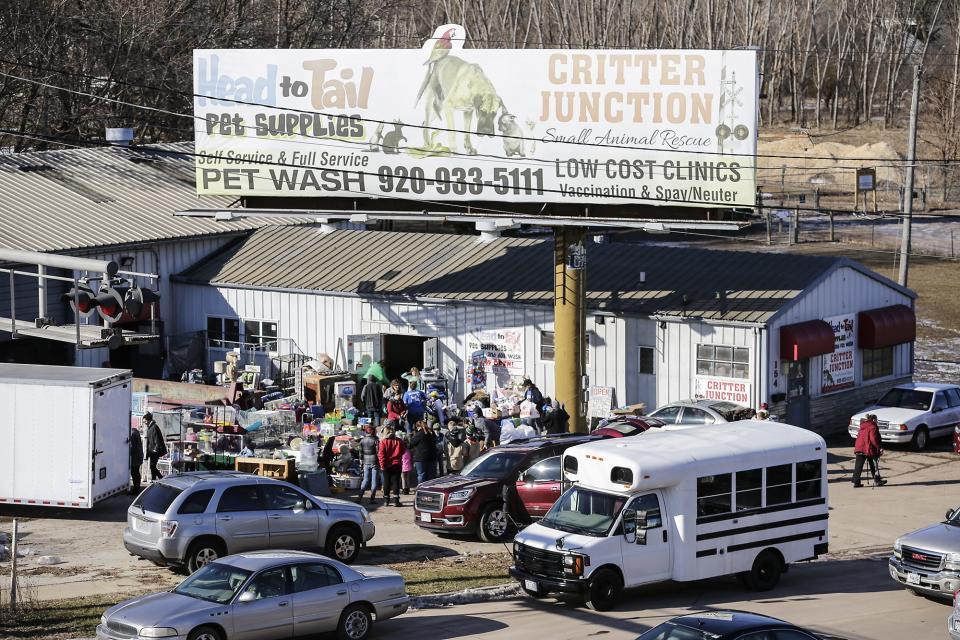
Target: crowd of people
412,435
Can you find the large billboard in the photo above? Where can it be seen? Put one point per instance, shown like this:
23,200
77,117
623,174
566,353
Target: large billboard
449,123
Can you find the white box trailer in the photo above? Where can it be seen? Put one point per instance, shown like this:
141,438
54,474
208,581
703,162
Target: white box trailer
745,498
63,434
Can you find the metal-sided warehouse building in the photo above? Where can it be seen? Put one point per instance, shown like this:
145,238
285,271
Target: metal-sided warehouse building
814,337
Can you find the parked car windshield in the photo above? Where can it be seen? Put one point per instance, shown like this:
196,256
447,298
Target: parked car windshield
496,464
732,412
157,498
215,583
671,631
907,399
583,511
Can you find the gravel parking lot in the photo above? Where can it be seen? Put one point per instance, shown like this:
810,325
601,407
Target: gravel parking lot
863,523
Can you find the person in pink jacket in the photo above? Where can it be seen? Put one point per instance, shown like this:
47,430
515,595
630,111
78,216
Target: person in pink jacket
406,467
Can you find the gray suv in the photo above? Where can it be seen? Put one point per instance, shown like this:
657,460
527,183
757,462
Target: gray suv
192,519
927,560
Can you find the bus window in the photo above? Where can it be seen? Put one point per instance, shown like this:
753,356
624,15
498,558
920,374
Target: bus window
749,489
779,484
808,480
713,495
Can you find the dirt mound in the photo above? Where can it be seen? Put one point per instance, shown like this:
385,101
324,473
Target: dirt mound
833,162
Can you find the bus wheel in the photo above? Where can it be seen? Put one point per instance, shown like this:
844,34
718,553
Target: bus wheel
604,590
765,573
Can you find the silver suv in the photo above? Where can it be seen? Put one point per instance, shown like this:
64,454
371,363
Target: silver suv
192,519
927,560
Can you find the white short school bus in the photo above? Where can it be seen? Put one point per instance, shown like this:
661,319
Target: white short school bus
745,498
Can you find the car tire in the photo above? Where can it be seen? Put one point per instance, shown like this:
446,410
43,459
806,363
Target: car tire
765,573
494,524
603,591
921,438
203,552
205,632
355,623
343,544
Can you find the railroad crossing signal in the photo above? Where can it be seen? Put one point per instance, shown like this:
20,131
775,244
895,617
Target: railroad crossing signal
137,298
82,300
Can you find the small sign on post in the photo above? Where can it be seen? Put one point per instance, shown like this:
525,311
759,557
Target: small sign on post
866,182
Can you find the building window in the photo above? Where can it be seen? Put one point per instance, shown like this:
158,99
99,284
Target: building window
877,363
646,360
713,495
724,362
223,333
548,347
260,332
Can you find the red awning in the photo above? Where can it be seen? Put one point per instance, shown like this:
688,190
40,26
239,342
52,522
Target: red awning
878,328
805,339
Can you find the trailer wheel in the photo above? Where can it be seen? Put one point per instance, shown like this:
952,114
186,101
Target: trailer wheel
604,590
765,573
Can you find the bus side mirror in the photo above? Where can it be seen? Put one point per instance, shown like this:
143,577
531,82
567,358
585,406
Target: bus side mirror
630,526
949,513
641,519
641,536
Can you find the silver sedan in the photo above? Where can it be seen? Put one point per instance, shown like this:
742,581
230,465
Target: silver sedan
262,596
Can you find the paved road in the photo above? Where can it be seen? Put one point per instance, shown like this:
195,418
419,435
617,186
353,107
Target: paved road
852,599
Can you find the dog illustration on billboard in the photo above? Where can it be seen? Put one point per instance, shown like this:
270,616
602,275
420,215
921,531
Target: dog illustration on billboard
451,85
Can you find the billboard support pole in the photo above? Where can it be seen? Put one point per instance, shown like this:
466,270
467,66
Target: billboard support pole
568,301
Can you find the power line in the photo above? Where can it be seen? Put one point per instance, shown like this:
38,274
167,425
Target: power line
386,122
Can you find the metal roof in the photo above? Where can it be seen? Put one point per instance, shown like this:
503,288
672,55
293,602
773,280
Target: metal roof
63,376
732,286
82,198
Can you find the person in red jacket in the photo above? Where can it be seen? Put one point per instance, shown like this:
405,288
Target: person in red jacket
390,455
867,447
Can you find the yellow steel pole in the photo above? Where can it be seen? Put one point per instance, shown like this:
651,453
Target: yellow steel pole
568,316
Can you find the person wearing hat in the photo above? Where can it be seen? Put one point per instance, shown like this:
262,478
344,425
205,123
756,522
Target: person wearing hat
435,410
390,456
415,401
156,446
474,445
456,448
369,458
868,447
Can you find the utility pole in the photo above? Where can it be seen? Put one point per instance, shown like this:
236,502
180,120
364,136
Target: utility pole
908,190
568,315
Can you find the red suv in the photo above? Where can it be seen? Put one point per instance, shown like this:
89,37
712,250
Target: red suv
473,501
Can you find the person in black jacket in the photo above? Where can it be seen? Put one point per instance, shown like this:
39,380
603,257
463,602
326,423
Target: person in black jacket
556,418
372,399
423,450
156,445
136,459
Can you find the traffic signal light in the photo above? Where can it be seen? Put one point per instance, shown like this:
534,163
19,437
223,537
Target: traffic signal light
138,298
110,302
81,300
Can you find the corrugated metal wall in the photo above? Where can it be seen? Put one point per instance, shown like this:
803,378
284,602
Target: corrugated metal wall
164,259
677,355
844,291
317,322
